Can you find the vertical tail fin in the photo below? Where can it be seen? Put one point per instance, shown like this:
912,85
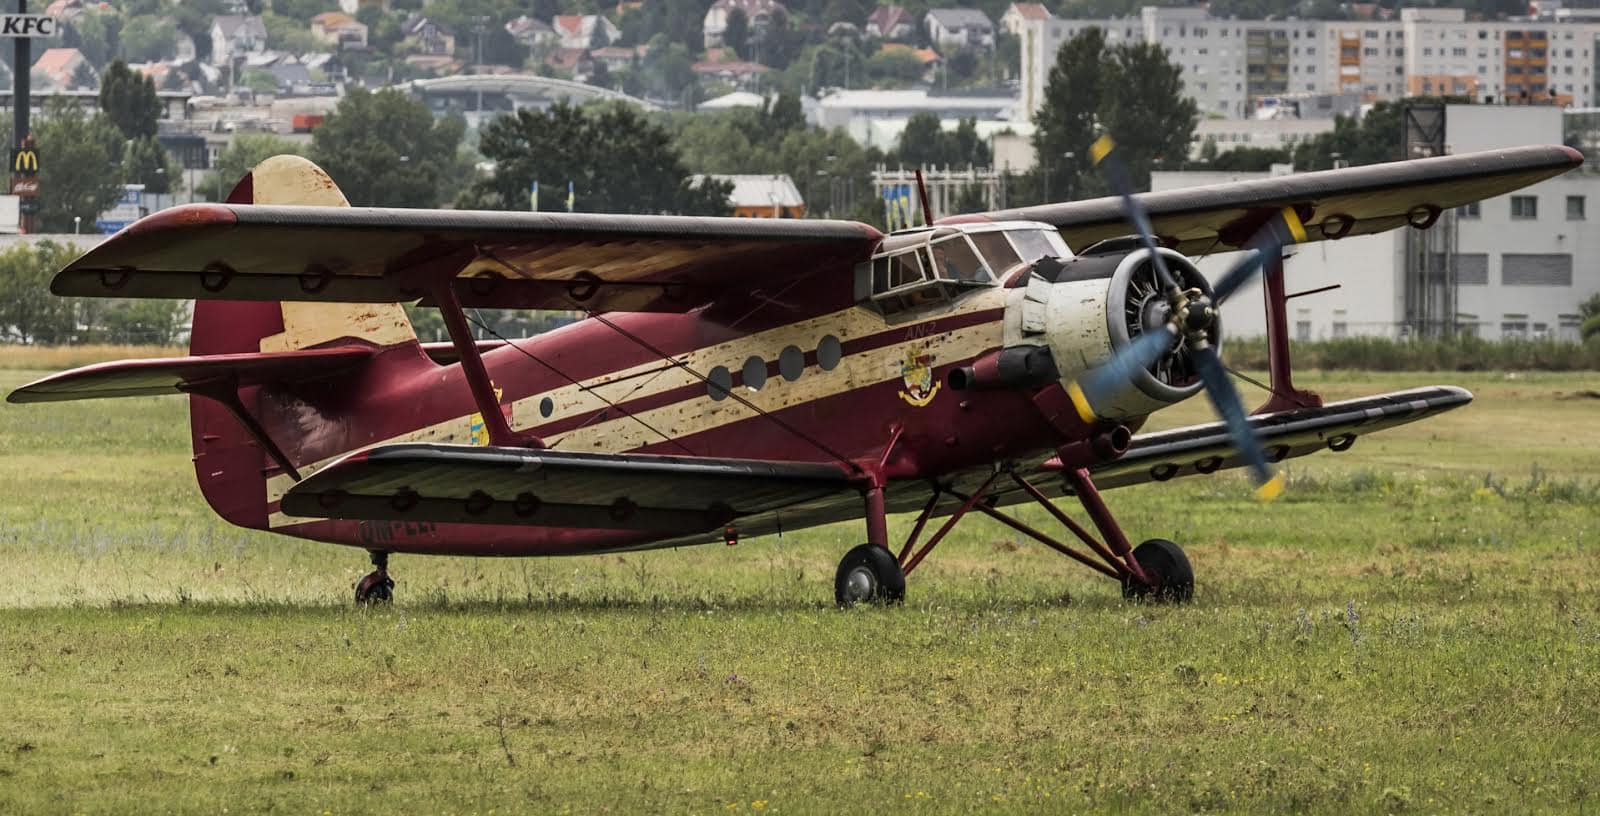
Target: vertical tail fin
234,475
233,327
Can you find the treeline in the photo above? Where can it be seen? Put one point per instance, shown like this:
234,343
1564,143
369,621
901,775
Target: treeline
30,314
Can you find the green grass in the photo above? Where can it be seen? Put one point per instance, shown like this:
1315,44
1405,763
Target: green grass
1415,626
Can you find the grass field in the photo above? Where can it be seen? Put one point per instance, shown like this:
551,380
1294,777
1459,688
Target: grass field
1414,627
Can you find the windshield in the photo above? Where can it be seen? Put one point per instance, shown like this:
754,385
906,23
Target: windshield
955,260
1032,244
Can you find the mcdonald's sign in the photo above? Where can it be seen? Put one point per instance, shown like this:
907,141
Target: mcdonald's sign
25,161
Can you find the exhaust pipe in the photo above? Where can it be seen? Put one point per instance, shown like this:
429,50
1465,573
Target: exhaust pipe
1013,367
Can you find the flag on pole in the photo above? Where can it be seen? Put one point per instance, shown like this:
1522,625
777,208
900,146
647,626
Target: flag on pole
570,197
533,197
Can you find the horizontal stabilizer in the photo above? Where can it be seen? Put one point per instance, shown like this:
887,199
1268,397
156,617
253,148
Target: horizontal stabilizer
1202,449
672,495
177,375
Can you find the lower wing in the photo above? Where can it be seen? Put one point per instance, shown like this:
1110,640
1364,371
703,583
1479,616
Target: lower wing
692,500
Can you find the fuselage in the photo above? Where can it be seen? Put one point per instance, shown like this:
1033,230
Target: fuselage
829,374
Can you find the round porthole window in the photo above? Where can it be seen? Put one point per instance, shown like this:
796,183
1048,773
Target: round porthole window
791,363
547,407
829,353
719,382
754,373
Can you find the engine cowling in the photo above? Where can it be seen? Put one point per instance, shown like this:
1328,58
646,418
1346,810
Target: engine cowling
1097,303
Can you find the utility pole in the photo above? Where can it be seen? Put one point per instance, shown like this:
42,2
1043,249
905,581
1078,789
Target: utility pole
22,130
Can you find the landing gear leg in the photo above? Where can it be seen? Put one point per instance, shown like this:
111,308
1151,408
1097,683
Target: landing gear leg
869,573
377,587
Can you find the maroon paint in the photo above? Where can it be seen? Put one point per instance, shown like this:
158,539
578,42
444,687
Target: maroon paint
1285,397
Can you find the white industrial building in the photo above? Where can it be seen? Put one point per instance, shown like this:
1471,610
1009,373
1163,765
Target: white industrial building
1514,266
1229,62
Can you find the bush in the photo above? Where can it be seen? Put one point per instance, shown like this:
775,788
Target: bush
1424,354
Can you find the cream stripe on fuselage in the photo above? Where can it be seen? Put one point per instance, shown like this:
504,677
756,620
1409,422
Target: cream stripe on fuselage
698,412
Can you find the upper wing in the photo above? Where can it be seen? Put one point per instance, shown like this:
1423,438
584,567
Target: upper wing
1331,203
668,495
515,260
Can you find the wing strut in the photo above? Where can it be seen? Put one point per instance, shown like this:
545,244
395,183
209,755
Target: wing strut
455,321
1285,397
225,392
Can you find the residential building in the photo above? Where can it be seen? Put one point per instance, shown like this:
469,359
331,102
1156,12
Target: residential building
353,6
339,30
234,36
1019,14
959,28
1229,63
891,23
1515,266
63,69
741,73
427,37
530,33
761,196
757,13
585,31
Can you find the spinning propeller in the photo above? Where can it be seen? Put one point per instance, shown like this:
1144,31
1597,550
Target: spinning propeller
1191,317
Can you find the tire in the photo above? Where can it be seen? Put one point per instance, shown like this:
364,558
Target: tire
374,588
1168,567
868,574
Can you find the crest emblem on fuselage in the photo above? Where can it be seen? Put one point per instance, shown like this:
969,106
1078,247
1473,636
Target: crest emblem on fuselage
916,377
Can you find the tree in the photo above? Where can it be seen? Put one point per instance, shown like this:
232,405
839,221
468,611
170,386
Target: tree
1376,136
737,34
130,100
145,161
147,39
241,156
922,143
95,33
79,149
1068,117
1590,309
617,161
1148,115
28,312
386,149
1249,159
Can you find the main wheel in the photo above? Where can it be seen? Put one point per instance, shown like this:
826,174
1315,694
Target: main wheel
375,588
869,574
1167,566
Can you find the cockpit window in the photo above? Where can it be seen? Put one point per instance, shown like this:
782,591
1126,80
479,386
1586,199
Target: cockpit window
997,250
955,260
1032,244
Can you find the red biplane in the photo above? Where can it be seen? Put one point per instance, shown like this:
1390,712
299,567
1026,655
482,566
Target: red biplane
734,377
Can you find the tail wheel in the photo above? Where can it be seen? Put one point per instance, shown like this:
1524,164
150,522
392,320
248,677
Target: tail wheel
375,588
869,574
1168,569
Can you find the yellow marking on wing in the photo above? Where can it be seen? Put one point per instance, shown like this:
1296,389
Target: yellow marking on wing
1296,229
1080,402
1101,148
1272,489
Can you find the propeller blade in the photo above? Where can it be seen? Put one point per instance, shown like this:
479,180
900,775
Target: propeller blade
1104,381
1226,400
1116,173
1267,241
